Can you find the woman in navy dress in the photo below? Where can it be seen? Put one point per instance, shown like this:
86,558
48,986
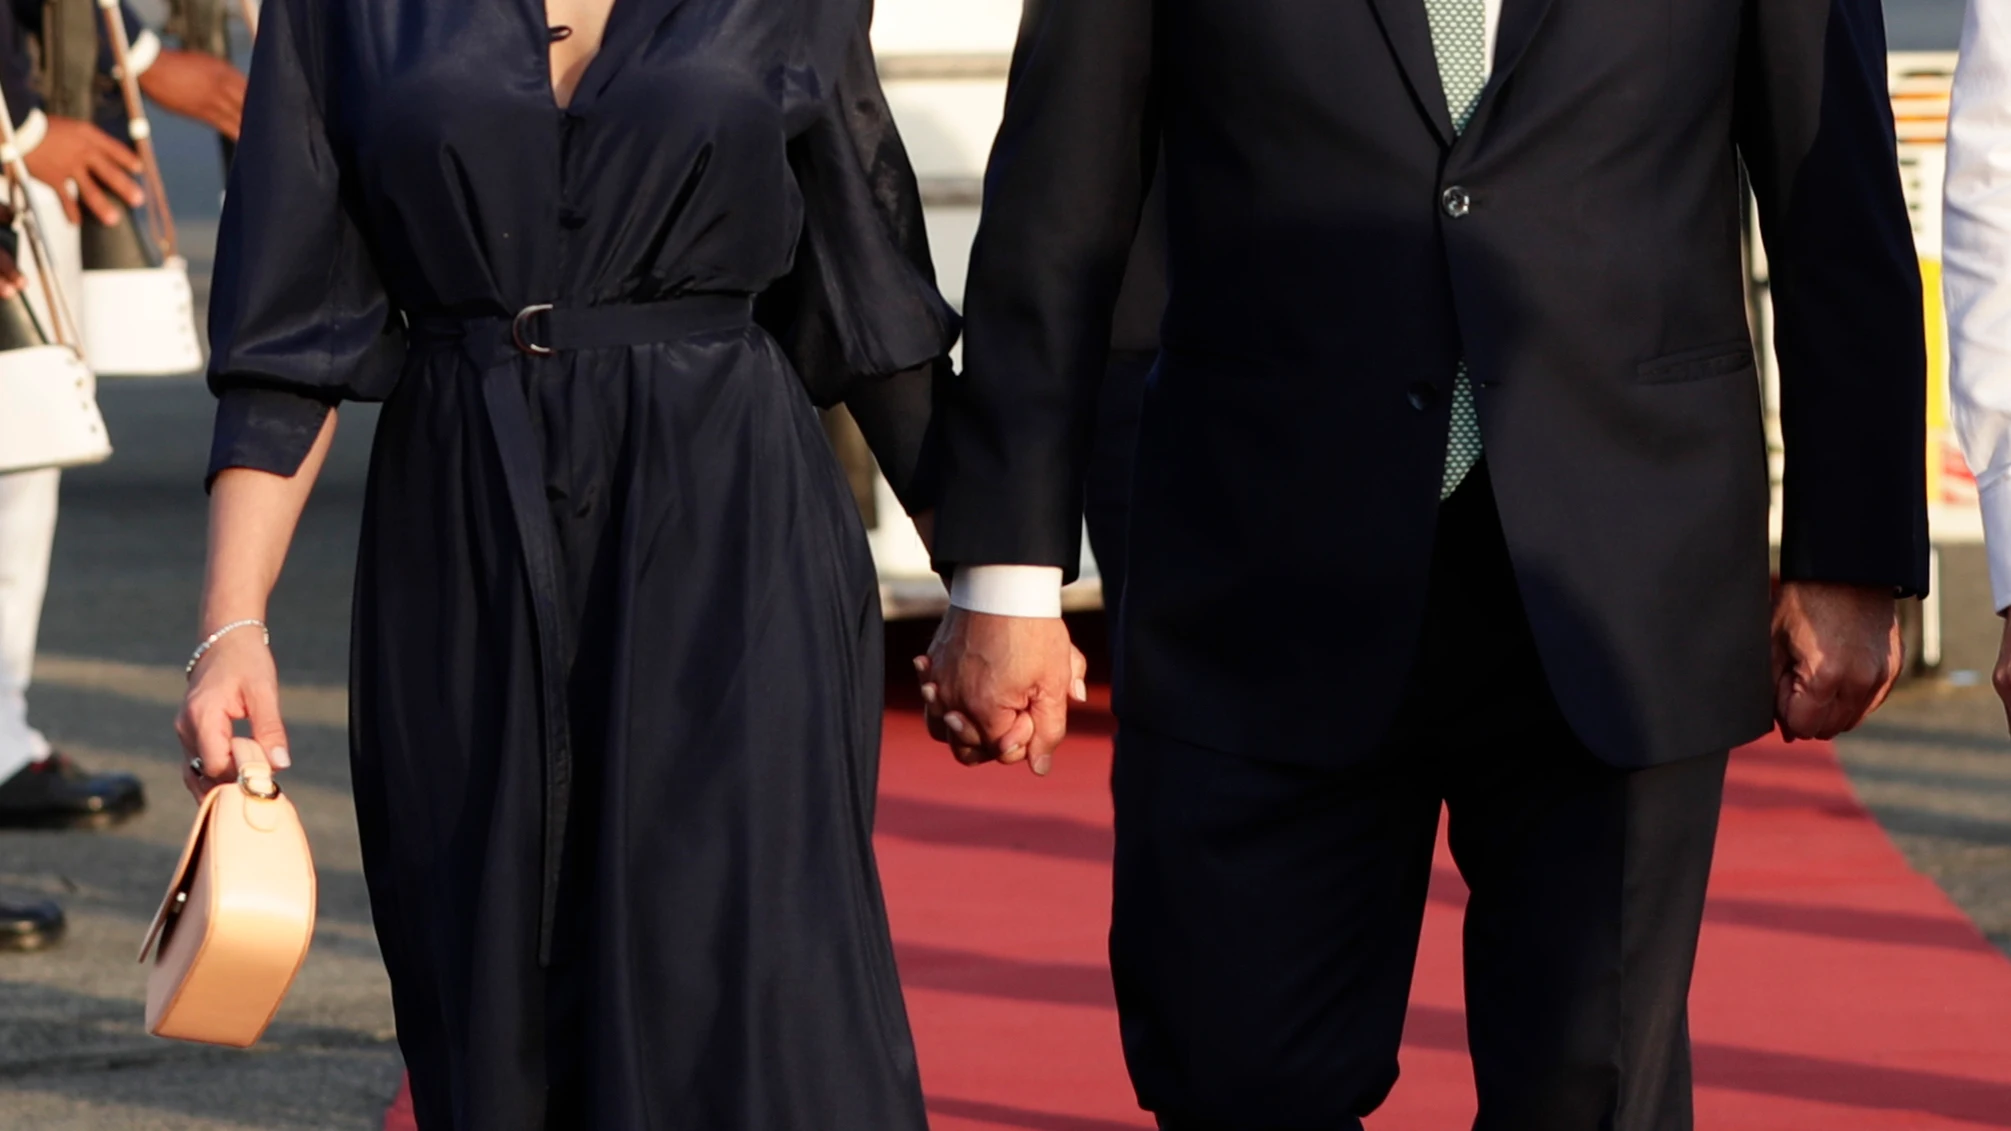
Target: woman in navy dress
616,656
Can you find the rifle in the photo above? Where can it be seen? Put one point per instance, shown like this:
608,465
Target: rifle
66,59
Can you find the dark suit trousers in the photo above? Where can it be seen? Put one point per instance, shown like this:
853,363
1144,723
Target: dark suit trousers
1266,915
1107,494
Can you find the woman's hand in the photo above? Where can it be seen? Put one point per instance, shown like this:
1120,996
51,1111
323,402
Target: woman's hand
252,515
237,679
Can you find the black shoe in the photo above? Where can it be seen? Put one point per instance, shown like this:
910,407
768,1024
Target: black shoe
56,794
30,926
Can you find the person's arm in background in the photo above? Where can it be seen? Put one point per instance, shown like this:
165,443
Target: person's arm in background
192,84
87,166
1976,276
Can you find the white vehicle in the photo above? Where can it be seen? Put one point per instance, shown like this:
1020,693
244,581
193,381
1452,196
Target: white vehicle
943,64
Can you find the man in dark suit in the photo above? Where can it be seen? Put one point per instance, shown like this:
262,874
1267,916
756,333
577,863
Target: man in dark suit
1451,491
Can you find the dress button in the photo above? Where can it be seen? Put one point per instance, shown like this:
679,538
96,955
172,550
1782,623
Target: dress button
1422,396
1456,201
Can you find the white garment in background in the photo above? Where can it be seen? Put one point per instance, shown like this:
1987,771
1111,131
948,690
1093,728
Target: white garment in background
1976,270
27,533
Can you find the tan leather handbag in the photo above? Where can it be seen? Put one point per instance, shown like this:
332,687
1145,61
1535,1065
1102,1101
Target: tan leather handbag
238,916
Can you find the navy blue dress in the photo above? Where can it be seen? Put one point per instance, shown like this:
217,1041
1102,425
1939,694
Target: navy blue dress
616,658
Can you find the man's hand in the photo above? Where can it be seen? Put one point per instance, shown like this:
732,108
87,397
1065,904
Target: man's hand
198,86
998,688
2002,676
82,162
1836,655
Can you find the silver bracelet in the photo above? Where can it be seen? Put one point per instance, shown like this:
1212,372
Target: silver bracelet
203,648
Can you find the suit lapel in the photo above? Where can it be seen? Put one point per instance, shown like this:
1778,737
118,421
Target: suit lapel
1520,20
1409,35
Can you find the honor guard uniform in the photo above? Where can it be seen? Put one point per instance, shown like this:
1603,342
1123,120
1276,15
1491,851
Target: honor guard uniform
57,71
77,74
73,62
37,787
73,84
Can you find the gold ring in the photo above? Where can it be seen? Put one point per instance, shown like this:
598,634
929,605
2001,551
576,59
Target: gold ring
266,788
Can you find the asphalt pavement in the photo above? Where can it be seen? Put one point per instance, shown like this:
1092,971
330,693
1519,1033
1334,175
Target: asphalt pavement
119,621
120,616
1935,764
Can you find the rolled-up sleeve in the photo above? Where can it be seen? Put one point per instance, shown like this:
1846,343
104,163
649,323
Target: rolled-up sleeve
299,319
860,314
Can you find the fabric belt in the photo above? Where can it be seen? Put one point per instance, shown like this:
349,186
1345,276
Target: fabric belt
498,347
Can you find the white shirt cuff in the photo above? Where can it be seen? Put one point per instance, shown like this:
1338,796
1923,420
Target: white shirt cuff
146,51
30,132
1008,590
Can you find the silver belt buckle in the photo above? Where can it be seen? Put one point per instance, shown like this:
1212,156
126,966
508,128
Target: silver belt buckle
518,327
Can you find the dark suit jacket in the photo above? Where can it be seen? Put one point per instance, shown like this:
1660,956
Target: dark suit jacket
1334,251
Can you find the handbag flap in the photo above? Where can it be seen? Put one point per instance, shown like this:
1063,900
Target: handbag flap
48,410
179,883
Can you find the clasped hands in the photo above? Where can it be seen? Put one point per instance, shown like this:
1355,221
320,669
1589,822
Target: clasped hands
997,688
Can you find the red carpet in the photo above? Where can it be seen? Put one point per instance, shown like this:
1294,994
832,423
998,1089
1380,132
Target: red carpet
1837,990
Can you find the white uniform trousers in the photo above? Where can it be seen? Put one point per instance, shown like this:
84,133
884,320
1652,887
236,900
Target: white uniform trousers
27,534
28,523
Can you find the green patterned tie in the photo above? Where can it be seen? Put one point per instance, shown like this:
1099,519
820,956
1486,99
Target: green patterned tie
1459,39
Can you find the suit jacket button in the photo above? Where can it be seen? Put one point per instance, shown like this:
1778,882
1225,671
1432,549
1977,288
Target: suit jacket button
1422,396
1456,201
